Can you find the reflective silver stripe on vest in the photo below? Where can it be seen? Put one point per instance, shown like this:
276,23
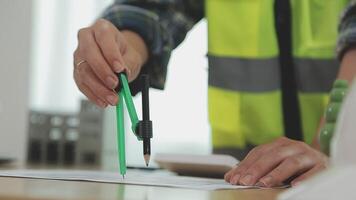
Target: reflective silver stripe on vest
262,75
315,75
250,75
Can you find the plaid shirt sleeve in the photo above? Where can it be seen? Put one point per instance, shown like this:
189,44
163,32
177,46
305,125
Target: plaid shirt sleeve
163,24
347,30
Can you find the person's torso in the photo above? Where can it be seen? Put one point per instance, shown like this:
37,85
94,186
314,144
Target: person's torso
244,73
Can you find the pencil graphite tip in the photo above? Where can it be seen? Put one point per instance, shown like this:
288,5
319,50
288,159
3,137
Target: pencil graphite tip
147,159
123,176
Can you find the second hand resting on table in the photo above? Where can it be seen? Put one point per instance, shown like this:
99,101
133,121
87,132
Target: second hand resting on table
271,164
107,50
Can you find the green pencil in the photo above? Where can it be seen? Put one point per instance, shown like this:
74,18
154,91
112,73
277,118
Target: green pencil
121,134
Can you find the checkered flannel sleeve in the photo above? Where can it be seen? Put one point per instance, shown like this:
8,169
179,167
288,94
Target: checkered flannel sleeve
347,31
163,24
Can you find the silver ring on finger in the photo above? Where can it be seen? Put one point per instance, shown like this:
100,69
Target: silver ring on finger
80,62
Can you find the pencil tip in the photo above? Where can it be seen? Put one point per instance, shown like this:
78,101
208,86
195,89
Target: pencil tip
123,176
147,159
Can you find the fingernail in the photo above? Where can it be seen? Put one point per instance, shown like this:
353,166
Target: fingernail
260,184
266,181
111,82
101,103
246,180
112,99
235,179
295,183
117,66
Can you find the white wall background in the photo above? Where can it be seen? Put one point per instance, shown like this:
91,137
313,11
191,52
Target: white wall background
15,23
54,39
179,113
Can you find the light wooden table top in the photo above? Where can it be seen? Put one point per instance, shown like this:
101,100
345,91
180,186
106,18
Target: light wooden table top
31,189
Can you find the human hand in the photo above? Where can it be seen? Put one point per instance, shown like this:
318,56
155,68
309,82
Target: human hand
269,165
103,50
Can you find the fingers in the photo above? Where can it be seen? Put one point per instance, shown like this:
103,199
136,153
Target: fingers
316,169
229,174
268,162
288,168
234,175
90,52
133,68
105,51
271,164
91,96
106,37
92,87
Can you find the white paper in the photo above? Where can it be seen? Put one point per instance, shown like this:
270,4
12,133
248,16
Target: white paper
132,177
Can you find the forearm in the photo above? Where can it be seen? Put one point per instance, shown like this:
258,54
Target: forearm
346,53
347,72
348,65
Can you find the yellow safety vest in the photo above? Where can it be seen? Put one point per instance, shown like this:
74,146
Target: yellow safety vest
244,80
